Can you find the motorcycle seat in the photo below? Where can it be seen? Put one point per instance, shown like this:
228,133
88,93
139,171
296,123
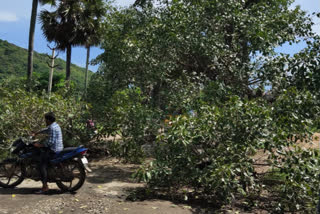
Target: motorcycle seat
64,154
66,150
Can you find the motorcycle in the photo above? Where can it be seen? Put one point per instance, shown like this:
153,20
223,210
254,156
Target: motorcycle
67,168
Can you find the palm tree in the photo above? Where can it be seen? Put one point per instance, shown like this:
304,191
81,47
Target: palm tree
92,20
63,26
31,33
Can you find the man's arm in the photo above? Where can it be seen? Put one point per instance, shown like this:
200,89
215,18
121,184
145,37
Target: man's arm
42,131
39,145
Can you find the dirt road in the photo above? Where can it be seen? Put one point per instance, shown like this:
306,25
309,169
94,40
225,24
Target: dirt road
105,191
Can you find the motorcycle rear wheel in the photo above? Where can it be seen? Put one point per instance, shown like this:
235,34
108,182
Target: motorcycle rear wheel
11,173
73,178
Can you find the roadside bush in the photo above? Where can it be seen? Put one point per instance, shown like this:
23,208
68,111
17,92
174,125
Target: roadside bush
213,153
126,116
299,191
22,112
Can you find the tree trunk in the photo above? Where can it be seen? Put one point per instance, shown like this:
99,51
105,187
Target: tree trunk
68,66
87,70
51,72
31,39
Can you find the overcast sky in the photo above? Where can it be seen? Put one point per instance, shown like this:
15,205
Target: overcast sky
15,20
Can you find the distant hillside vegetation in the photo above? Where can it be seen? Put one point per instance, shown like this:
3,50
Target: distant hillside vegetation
13,63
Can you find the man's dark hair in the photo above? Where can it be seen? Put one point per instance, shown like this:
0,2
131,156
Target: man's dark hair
50,116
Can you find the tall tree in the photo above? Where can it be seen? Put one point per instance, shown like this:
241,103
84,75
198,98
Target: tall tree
32,31
202,40
92,26
63,26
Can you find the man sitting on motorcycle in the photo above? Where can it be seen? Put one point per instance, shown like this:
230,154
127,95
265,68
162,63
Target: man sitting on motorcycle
47,150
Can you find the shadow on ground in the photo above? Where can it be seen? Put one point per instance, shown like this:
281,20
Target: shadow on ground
27,191
198,206
107,174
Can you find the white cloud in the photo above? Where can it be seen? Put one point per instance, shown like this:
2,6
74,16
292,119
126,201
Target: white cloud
8,17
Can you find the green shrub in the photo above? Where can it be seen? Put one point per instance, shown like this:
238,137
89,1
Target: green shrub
22,112
213,152
300,189
125,115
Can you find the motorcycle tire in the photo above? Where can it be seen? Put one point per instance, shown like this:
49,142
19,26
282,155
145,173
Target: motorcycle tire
11,173
74,169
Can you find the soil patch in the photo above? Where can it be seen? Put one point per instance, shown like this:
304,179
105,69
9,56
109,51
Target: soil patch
105,191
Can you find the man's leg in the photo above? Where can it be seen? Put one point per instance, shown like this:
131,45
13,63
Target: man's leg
44,158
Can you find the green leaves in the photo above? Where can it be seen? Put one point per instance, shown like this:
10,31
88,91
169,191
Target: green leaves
214,152
203,68
301,186
208,151
23,112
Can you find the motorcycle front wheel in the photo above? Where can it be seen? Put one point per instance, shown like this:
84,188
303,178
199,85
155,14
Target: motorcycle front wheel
11,173
72,177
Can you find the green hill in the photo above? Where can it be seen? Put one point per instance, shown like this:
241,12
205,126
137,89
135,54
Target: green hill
13,63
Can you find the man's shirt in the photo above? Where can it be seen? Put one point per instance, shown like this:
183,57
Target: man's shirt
54,137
